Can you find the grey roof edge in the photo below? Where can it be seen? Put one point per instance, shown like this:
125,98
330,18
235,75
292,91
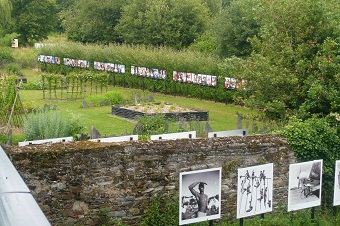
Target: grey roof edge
17,205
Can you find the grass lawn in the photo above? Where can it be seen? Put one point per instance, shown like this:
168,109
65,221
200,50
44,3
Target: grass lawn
221,117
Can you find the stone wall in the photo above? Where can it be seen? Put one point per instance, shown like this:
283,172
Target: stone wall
73,181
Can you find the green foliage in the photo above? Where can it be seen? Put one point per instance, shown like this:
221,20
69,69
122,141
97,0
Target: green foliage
313,139
5,56
295,62
7,97
33,20
5,14
152,124
36,85
111,97
234,26
5,40
162,210
175,23
87,21
45,124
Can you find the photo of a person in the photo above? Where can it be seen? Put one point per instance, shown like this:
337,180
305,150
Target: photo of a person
87,64
336,198
57,60
175,76
155,73
204,80
115,68
107,67
208,80
200,193
132,70
194,78
66,61
95,65
232,84
121,68
199,79
189,77
201,198
184,77
41,58
213,80
227,82
162,74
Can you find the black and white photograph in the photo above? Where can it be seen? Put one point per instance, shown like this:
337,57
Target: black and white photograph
304,189
336,198
255,190
41,58
199,196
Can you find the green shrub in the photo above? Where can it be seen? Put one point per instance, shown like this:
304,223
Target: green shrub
6,40
111,97
162,210
313,139
151,124
45,124
5,56
114,97
36,85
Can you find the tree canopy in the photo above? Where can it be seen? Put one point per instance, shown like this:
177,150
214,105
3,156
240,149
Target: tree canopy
5,14
173,23
88,21
34,19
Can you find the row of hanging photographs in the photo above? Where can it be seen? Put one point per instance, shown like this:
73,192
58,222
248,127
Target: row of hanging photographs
200,79
233,83
185,77
109,67
148,72
200,190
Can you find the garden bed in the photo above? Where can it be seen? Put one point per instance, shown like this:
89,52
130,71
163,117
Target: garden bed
169,111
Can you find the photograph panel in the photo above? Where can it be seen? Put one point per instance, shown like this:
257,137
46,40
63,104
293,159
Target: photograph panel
336,198
304,189
200,196
254,190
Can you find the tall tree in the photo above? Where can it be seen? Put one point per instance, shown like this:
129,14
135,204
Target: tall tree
91,21
173,23
5,14
34,19
234,26
295,64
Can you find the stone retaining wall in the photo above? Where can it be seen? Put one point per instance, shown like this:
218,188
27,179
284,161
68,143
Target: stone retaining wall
73,181
188,116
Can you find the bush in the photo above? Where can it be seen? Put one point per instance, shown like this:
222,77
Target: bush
313,139
6,40
162,210
5,56
108,98
45,124
36,85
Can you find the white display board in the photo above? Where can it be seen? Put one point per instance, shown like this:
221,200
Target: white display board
236,132
336,199
255,190
304,189
173,136
199,196
54,140
116,139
